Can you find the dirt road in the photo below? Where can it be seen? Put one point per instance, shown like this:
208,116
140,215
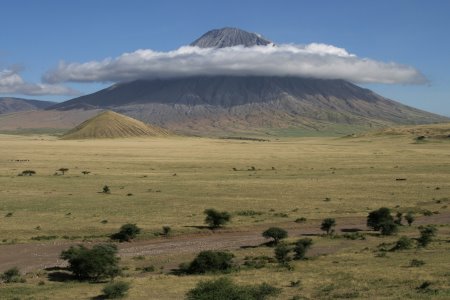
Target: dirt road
36,256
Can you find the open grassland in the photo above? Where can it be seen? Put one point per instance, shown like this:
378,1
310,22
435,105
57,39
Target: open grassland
170,181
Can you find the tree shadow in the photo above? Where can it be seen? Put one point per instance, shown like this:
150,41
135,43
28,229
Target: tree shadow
351,230
200,227
61,276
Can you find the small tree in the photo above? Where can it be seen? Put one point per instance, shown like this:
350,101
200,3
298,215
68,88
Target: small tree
426,235
106,189
126,233
63,170
166,230
301,247
93,264
211,261
114,290
276,234
409,217
28,172
327,225
381,219
282,253
216,219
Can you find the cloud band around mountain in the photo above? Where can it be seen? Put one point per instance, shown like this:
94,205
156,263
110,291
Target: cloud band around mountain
12,83
313,60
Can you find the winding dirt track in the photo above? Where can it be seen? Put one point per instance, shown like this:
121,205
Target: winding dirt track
37,256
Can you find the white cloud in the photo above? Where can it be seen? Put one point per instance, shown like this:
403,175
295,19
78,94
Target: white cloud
313,60
12,83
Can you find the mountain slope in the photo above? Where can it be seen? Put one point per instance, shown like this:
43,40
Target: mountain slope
229,37
10,105
109,124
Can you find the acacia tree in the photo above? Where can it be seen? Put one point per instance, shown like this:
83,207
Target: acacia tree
63,170
216,219
381,220
276,234
28,172
328,224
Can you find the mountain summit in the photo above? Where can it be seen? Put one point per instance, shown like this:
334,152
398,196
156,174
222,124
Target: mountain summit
229,37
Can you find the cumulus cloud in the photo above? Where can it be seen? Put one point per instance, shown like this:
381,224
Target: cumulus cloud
312,60
12,83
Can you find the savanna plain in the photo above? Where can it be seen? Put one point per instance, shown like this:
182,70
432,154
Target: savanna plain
291,183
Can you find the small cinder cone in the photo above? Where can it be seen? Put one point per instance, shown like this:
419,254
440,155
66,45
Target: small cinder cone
110,125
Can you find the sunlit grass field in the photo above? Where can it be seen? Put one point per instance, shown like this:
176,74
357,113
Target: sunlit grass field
170,181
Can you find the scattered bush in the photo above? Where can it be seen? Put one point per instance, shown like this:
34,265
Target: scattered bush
225,289
276,234
388,228
258,262
403,243
12,276
210,262
301,247
327,225
354,236
427,213
409,217
426,235
216,219
148,269
398,218
92,264
8,215
126,233
249,213
114,290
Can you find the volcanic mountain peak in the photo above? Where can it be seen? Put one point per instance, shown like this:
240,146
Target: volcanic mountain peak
229,37
109,124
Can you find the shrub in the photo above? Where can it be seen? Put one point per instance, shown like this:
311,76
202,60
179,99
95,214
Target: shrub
381,220
106,189
28,172
216,219
328,224
211,261
114,290
300,220
225,289
426,235
282,253
301,247
403,243
275,233
166,230
398,218
93,264
126,233
12,276
409,217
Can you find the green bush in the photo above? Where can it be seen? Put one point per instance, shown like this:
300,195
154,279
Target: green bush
12,276
381,220
403,243
301,247
225,289
92,264
426,235
282,253
211,262
275,233
409,217
126,233
114,290
216,219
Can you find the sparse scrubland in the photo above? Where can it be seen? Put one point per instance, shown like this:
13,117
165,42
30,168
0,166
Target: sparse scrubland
293,184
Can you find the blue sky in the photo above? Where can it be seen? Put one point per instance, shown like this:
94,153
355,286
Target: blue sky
37,35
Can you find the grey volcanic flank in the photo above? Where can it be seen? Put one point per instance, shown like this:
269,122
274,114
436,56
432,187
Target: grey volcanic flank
10,105
238,104
229,37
